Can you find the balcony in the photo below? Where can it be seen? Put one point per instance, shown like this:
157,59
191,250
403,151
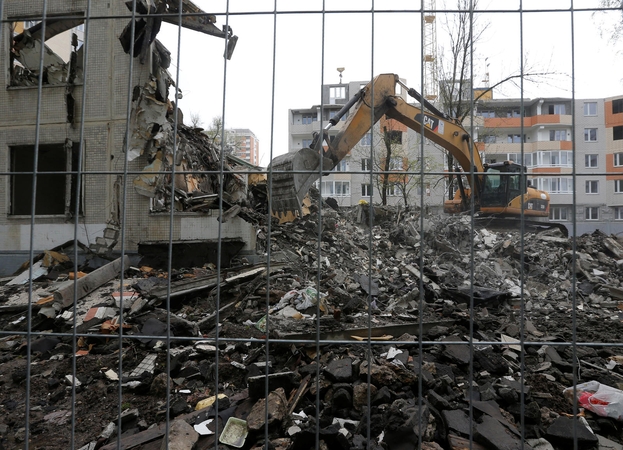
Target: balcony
532,121
529,147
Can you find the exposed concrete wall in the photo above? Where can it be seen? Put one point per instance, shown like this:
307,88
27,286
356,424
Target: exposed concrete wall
107,75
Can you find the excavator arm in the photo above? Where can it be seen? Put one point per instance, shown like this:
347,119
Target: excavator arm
294,173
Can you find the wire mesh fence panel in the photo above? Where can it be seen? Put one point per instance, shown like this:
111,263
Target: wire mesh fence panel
320,224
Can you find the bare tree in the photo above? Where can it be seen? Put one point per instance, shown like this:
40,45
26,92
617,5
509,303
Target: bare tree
457,97
617,29
221,137
195,120
395,165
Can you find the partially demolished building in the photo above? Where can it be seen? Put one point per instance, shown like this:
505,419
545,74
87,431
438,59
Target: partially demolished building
101,121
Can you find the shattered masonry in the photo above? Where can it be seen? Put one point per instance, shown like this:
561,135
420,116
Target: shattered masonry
342,290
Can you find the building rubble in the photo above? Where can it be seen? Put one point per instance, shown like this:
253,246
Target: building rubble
391,307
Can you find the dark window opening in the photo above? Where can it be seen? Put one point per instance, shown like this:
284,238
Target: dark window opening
56,191
617,133
395,137
617,106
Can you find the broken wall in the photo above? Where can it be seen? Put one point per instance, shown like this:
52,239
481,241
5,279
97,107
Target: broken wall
104,128
103,159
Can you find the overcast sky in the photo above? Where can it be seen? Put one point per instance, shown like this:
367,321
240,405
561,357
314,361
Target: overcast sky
281,60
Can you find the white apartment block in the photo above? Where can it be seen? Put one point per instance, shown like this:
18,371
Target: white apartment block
572,149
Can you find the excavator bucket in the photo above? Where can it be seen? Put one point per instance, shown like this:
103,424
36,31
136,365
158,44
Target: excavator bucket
292,176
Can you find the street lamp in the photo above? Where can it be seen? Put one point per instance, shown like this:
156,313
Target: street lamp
340,69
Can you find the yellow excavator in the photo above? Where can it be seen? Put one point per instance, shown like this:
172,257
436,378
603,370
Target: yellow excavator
499,189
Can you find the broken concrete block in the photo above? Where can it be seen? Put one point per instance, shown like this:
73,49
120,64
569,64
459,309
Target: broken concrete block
495,435
607,444
561,432
405,422
277,411
340,370
380,375
64,295
458,421
360,395
458,353
182,436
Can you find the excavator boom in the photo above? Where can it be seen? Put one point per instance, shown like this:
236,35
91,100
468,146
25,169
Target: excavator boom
294,173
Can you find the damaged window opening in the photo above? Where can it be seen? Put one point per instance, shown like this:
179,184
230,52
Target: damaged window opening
63,51
56,191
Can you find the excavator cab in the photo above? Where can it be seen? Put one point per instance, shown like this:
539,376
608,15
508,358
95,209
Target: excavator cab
506,191
503,182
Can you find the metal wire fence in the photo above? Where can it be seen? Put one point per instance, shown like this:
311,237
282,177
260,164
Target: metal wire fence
100,164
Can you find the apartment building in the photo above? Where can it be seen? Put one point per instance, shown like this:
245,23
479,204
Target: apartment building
246,145
356,177
572,149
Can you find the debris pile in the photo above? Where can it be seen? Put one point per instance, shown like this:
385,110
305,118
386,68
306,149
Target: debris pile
430,332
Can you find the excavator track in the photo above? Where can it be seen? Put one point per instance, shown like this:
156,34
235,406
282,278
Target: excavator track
503,223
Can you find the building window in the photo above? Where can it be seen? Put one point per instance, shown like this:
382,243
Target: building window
335,188
396,164
342,166
591,161
57,68
514,138
366,190
618,159
592,187
528,158
617,106
618,213
393,190
590,134
395,137
617,133
488,138
487,114
590,108
336,93
557,109
618,186
56,193
591,213
513,113
342,188
556,158
556,185
557,135
309,118
306,143
366,139
365,164
559,213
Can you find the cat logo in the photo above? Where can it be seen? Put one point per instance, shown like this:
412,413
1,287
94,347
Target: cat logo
432,123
